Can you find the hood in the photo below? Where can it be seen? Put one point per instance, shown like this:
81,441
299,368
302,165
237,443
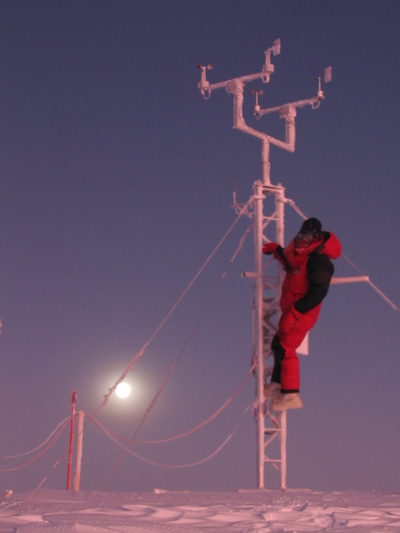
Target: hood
331,245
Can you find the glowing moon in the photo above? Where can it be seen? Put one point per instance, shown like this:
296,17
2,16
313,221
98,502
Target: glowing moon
123,389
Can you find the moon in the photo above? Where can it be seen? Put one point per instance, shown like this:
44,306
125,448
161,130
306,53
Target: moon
123,389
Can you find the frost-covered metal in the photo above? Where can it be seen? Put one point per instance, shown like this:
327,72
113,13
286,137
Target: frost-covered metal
268,278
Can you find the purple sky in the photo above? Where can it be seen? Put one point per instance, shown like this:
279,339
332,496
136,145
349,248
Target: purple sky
117,180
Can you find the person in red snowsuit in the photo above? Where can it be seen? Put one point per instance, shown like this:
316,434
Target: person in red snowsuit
309,269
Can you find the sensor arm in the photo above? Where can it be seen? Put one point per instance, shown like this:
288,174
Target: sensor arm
264,75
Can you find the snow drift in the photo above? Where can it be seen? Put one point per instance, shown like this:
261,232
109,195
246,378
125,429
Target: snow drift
248,511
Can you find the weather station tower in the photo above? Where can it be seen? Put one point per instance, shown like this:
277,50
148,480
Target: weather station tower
266,282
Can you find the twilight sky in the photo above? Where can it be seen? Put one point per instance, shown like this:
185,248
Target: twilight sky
117,180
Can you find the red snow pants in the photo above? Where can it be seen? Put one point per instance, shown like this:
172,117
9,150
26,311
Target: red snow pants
293,327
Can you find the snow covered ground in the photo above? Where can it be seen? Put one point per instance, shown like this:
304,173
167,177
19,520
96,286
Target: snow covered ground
249,511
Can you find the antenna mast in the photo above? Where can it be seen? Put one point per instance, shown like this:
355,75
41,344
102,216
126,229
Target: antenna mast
267,289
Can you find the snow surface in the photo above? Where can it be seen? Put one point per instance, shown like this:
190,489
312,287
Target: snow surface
249,511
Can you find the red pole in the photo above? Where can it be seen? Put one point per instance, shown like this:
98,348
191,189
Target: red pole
71,436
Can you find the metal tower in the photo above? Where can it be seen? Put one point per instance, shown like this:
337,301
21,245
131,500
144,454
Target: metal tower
267,286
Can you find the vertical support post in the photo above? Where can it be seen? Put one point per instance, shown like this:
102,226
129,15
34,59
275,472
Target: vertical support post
258,241
280,231
71,436
79,444
266,165
280,217
282,438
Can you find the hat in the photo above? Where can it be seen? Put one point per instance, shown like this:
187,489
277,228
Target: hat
312,226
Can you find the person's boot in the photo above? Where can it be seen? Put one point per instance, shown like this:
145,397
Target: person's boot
283,402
